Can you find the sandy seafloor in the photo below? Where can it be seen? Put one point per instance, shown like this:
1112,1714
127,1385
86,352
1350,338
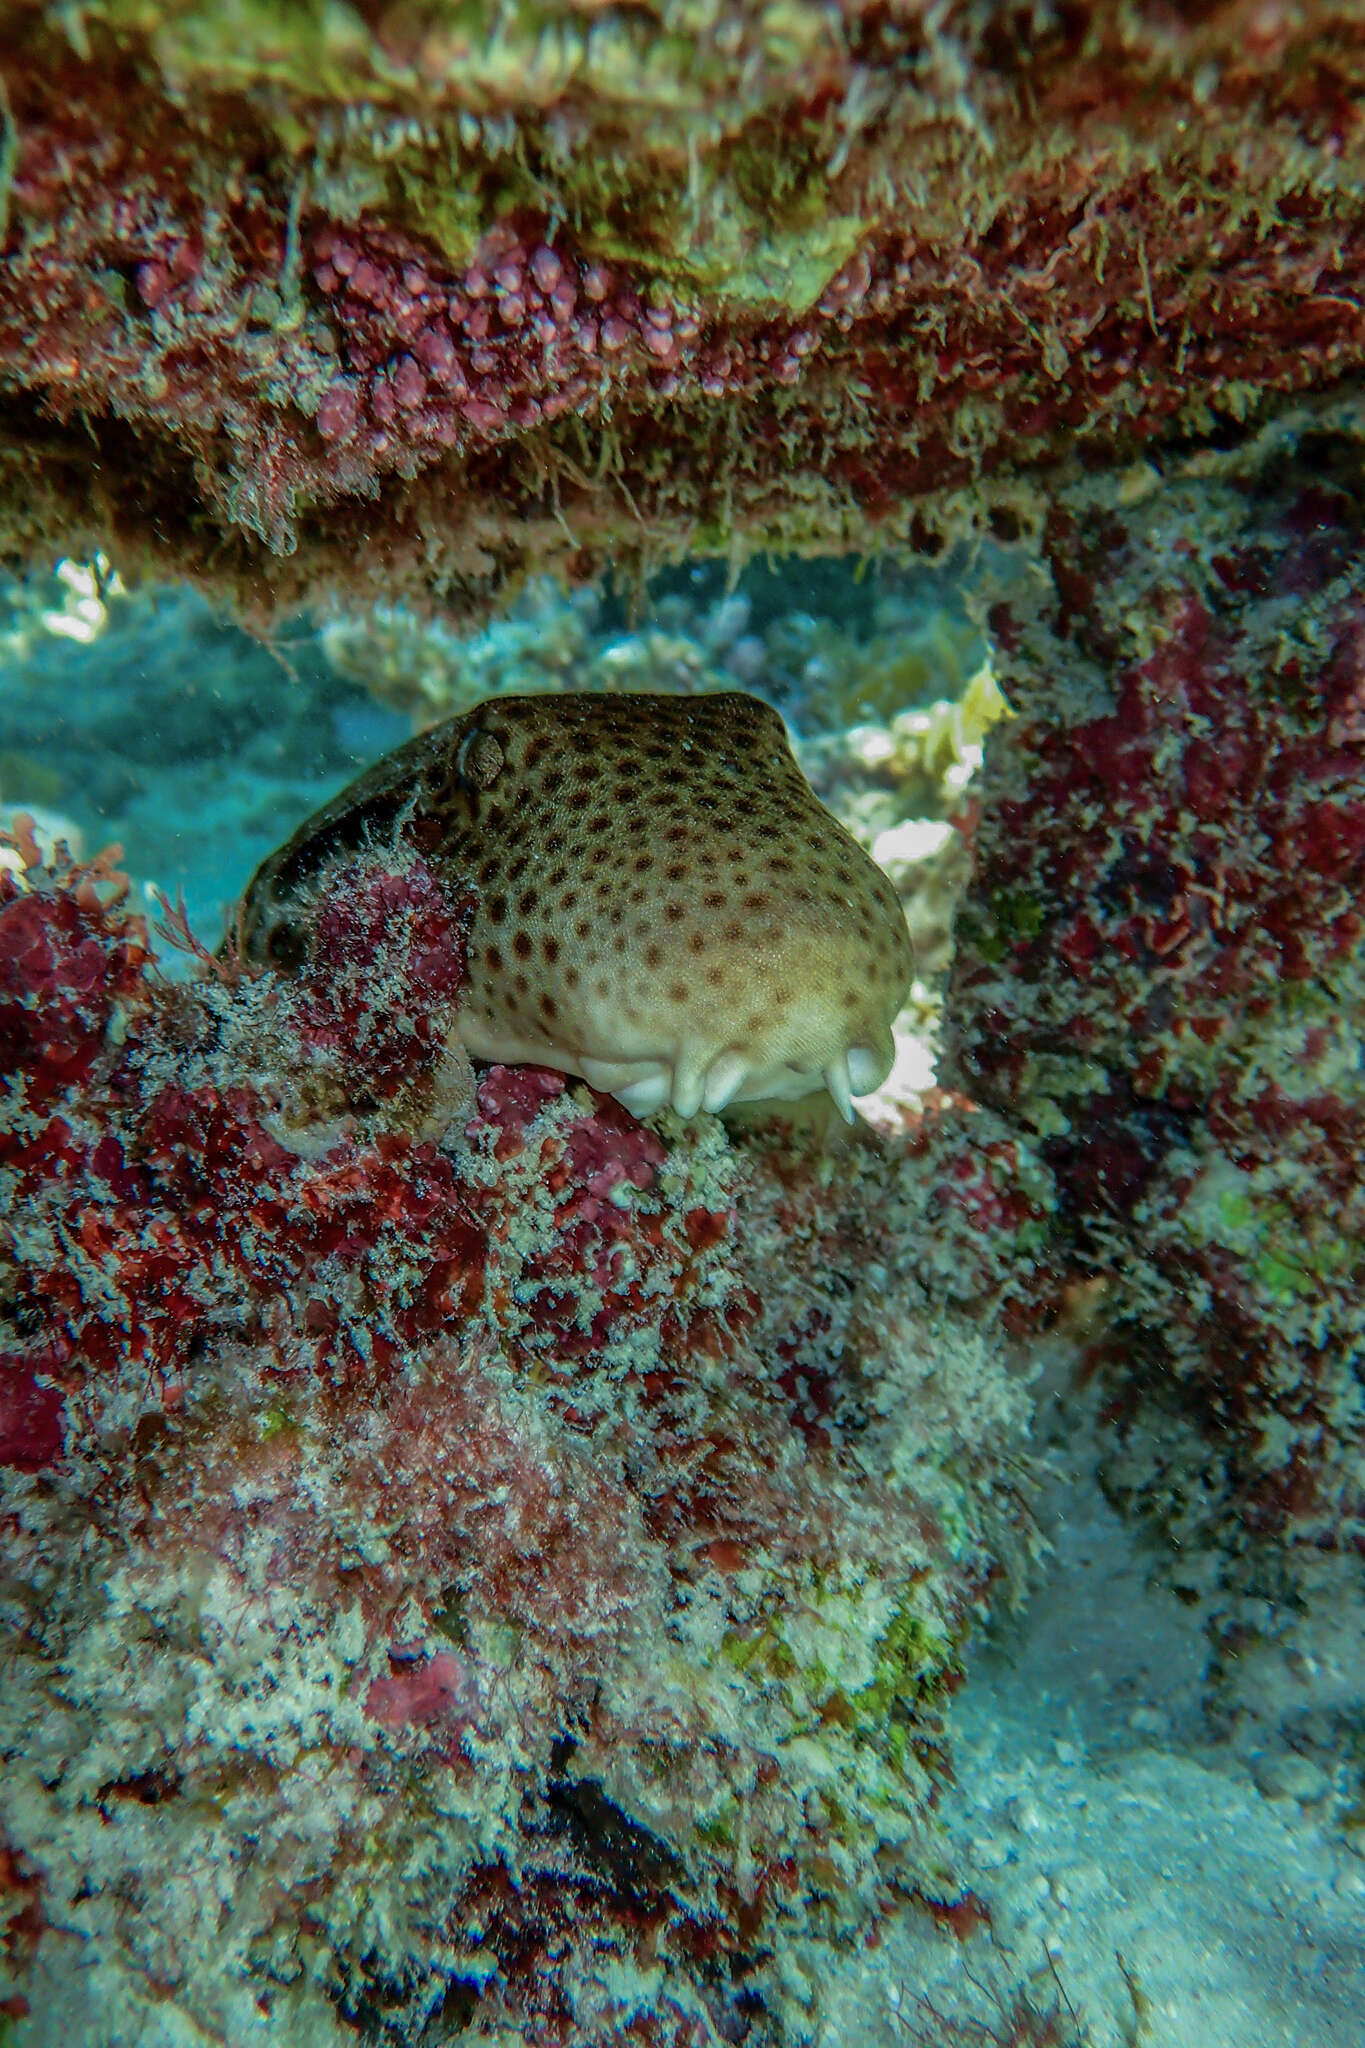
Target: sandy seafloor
1160,1841
1181,1888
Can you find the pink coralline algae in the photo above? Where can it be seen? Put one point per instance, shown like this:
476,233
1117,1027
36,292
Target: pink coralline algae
392,356
453,1572
517,336
378,929
1159,975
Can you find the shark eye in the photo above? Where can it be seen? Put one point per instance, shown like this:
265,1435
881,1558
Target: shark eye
286,947
479,761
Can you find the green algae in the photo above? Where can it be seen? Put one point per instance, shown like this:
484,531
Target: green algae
1015,916
911,1657
1289,1258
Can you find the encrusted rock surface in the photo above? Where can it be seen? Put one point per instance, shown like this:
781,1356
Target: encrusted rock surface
385,299
1159,963
452,1569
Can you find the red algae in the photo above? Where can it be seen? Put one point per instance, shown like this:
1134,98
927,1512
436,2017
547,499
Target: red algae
1158,977
440,1523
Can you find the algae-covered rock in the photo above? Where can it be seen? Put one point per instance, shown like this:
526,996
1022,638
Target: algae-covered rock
470,1559
422,299
1158,972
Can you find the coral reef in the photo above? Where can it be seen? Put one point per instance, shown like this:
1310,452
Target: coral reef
475,1566
860,650
1159,965
454,1576
411,300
